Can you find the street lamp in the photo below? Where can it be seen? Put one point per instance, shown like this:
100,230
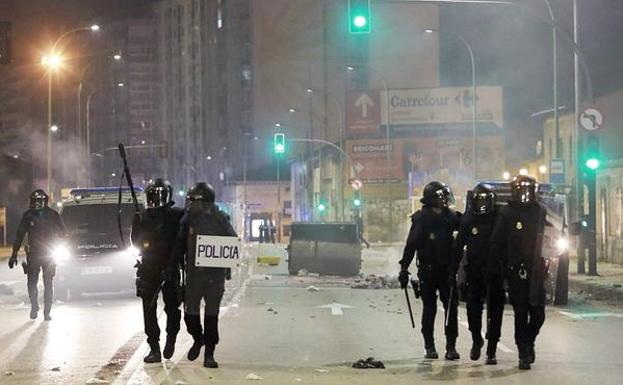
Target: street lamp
54,128
52,62
470,52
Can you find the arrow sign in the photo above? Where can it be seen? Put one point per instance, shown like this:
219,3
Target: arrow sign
591,119
363,102
336,308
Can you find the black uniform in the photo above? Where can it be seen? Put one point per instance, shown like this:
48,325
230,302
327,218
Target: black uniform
43,228
208,283
516,252
154,233
474,241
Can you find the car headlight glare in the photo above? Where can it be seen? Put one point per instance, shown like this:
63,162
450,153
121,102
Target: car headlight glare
132,252
61,253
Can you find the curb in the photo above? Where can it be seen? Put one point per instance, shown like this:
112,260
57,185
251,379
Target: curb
595,291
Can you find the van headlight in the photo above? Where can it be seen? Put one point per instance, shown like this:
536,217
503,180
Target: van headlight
562,245
131,252
61,253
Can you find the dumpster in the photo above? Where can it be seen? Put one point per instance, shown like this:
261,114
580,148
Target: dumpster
324,248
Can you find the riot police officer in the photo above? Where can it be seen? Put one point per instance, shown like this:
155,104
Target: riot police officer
516,252
431,235
153,233
474,241
44,229
203,217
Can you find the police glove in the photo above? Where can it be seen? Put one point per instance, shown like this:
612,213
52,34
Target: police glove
12,261
403,278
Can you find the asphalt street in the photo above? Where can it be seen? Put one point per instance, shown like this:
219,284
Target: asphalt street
288,330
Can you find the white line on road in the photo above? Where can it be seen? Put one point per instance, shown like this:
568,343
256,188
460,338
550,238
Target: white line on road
336,308
501,346
582,316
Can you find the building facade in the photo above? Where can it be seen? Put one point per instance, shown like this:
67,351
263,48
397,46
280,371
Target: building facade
205,74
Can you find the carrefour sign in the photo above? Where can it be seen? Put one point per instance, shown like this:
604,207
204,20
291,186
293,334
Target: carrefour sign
442,106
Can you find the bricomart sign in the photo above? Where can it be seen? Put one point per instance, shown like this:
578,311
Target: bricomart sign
442,106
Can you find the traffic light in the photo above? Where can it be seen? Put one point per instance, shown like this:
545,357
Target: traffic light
5,42
591,153
280,144
357,199
359,16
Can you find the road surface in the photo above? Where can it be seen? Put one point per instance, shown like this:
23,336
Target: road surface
279,329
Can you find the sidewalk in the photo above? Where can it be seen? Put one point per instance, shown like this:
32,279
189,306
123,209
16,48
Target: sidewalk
607,286
5,252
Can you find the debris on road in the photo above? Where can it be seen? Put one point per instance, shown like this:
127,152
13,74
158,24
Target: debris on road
302,273
368,363
56,369
180,382
6,290
322,370
9,373
253,377
312,289
96,380
373,281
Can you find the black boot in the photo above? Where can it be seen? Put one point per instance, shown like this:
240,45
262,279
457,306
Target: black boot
154,354
477,344
531,353
208,358
34,312
451,353
431,353
194,350
169,347
46,312
524,357
491,348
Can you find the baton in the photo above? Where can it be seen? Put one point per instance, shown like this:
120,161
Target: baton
409,306
449,305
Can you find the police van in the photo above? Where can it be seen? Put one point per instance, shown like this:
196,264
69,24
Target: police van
94,258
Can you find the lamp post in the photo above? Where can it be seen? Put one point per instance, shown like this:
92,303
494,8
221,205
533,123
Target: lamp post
116,57
387,138
52,62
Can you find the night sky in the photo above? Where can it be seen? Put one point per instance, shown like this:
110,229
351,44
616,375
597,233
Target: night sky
512,49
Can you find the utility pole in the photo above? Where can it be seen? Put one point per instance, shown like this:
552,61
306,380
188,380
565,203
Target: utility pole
579,186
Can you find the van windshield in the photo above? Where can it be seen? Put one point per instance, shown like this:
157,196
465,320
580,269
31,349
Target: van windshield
101,220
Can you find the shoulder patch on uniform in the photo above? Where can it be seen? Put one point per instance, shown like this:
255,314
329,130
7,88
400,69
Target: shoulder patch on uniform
519,225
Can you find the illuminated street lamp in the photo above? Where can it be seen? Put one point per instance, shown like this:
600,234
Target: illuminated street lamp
54,128
53,62
506,175
543,169
523,171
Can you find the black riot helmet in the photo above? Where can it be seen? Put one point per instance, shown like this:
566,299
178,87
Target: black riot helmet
482,200
437,194
158,193
38,199
523,189
202,191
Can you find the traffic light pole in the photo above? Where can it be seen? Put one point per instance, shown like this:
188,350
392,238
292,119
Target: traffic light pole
591,239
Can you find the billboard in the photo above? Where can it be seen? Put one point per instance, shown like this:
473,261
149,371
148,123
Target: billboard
450,105
369,158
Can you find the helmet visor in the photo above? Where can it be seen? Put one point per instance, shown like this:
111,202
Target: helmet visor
482,203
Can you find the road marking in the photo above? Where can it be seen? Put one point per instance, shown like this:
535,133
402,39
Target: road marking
582,316
336,308
501,346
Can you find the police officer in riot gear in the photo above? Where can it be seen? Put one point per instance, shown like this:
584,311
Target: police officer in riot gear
431,235
44,229
516,253
202,217
474,241
154,232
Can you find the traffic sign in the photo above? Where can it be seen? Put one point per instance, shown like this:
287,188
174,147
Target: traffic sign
356,184
591,119
557,171
363,113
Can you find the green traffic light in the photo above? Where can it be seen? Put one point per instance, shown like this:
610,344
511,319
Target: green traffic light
280,143
321,207
357,202
360,21
592,163
279,149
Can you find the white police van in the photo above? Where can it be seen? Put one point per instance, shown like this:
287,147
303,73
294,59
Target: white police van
94,258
